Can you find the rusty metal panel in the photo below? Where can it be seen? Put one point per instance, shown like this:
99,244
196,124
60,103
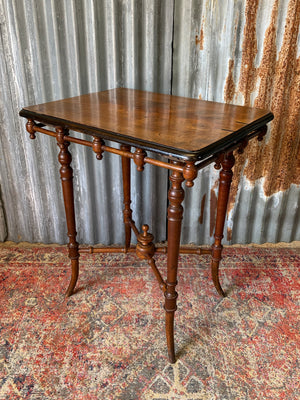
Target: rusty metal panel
59,48
236,51
245,52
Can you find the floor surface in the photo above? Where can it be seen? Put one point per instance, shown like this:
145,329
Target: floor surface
108,342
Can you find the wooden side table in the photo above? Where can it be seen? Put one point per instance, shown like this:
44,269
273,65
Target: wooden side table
190,133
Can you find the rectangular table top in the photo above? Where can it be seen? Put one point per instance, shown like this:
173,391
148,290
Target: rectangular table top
176,126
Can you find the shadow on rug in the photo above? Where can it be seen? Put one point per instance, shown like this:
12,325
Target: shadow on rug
108,342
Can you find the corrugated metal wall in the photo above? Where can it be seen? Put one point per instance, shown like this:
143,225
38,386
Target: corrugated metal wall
55,49
244,52
247,53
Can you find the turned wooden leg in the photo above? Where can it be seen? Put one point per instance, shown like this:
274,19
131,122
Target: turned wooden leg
127,212
66,174
227,163
175,214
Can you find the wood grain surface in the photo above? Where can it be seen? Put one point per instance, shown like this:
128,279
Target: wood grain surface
175,125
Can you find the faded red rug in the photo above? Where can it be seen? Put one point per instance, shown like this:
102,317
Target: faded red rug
108,342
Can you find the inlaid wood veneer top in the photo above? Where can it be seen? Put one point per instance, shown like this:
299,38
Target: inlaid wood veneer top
176,126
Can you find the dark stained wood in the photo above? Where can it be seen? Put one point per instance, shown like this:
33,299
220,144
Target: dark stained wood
97,147
139,159
186,129
132,249
30,128
145,250
66,174
176,126
175,214
227,162
127,212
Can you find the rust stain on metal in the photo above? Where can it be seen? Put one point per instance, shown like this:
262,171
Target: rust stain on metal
202,209
229,89
277,157
267,69
259,154
292,156
200,39
249,51
213,211
246,83
229,234
283,146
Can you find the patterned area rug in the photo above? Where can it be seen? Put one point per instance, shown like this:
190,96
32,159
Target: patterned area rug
108,342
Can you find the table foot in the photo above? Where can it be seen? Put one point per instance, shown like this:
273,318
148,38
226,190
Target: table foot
74,277
66,174
227,163
170,336
215,273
